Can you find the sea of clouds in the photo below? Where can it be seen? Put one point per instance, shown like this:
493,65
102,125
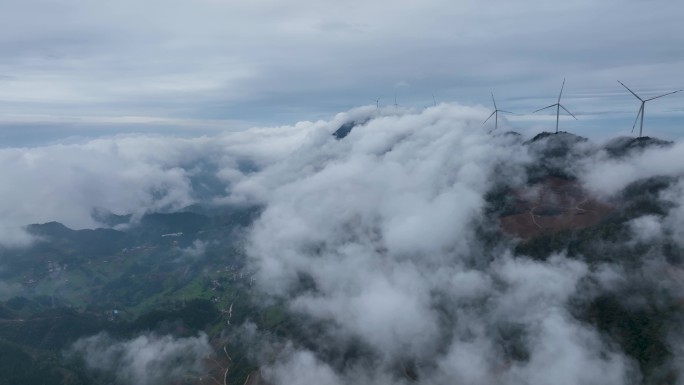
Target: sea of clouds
377,238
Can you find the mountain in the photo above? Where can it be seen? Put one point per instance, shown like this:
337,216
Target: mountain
626,146
346,128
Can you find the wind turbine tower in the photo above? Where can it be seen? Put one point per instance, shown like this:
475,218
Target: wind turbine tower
495,114
641,109
558,107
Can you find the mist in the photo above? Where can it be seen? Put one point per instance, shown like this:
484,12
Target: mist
145,360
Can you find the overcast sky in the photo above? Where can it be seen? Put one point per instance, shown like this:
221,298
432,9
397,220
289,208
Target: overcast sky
90,68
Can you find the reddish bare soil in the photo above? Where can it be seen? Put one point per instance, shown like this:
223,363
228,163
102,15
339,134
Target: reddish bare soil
553,205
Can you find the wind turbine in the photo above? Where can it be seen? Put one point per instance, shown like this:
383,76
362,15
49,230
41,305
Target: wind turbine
643,104
377,101
495,114
558,107
396,106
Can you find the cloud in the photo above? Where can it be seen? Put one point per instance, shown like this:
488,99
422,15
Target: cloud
129,174
647,228
301,368
220,60
608,176
560,347
376,237
196,250
66,182
674,221
145,360
382,184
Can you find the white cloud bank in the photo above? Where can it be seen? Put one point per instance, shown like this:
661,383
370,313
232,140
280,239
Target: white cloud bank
383,227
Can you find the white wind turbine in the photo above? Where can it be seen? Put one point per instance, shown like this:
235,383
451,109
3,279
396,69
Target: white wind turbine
496,114
558,107
641,109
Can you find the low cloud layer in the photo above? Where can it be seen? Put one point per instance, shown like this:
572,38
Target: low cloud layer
145,360
384,227
379,239
607,176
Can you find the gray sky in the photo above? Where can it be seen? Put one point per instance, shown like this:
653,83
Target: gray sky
84,68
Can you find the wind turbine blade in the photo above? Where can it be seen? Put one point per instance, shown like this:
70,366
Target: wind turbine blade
483,123
641,109
553,105
508,112
493,101
561,93
669,93
566,110
635,95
